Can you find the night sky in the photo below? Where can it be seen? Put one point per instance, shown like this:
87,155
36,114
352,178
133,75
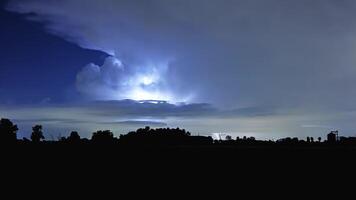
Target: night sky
267,69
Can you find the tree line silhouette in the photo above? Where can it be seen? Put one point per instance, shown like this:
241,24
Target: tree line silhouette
161,137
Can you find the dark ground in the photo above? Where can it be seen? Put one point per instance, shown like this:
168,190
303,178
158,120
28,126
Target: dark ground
177,171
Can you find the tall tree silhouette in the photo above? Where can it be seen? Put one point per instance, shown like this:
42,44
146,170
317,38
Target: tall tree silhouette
7,131
74,137
37,134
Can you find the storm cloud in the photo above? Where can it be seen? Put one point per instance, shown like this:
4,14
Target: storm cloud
244,52
280,56
114,80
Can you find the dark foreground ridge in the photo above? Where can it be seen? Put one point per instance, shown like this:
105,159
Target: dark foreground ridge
168,155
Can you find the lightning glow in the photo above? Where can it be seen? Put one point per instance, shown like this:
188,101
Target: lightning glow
116,81
149,87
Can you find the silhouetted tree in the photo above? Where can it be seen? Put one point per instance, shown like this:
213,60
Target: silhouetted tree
37,134
7,131
74,137
319,139
295,140
103,136
162,136
62,139
308,139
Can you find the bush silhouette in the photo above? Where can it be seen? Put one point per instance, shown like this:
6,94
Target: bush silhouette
7,131
37,134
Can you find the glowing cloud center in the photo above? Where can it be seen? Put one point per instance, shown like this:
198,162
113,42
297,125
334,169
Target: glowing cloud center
148,87
116,81
147,83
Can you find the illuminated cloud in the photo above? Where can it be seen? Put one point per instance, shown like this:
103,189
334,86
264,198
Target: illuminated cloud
230,53
295,56
115,81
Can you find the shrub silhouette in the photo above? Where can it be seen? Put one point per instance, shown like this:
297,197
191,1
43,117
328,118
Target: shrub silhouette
37,134
7,131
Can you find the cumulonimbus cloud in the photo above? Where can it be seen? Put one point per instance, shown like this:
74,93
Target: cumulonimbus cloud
231,53
114,80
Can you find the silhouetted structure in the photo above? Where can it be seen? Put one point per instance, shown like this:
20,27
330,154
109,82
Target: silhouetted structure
7,131
332,136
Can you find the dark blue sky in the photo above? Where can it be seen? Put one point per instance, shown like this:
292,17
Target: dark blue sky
36,65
